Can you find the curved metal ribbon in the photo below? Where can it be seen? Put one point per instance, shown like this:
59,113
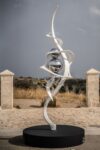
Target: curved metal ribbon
63,77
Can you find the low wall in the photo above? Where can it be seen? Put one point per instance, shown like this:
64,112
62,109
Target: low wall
15,118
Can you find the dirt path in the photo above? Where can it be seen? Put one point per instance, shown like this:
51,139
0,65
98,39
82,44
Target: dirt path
33,103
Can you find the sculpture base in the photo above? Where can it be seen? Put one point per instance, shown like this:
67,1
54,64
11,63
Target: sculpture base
43,137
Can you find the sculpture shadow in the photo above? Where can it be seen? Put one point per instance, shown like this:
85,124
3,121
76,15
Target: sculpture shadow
17,140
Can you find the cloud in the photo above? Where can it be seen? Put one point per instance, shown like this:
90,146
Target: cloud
95,11
82,30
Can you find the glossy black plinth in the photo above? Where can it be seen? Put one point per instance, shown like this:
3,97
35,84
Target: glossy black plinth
64,136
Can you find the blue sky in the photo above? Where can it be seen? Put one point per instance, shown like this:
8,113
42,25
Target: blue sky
24,24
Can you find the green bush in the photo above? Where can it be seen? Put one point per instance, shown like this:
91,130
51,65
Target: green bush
70,85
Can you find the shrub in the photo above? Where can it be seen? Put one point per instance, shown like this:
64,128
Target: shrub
51,103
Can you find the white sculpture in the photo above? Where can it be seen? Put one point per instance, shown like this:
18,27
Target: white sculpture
54,66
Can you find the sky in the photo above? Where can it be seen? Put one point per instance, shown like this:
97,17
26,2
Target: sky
24,24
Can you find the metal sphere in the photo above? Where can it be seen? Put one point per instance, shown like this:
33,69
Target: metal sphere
54,65
54,53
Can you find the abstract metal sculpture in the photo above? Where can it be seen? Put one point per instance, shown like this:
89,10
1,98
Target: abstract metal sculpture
55,66
46,136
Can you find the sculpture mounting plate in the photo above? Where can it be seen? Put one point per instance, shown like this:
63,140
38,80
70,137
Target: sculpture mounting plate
42,136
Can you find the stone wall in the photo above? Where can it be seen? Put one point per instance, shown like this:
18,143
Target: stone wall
92,88
6,89
22,118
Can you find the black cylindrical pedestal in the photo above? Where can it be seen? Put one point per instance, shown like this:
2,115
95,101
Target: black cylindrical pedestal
42,136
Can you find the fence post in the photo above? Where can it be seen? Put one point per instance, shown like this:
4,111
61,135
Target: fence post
6,89
92,88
